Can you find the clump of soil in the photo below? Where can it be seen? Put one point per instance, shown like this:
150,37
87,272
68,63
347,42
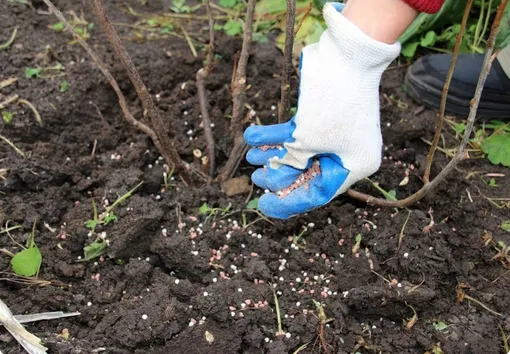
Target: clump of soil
174,283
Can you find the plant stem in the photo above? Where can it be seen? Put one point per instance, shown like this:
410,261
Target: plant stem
283,105
446,87
429,187
278,315
10,40
238,88
201,75
159,138
166,146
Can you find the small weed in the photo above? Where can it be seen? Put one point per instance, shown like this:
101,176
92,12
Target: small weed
505,225
211,213
440,326
82,27
491,140
98,247
357,245
280,331
32,72
436,349
389,195
28,261
296,239
7,117
95,249
64,86
179,6
51,71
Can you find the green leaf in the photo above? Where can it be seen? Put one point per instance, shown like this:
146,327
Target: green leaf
233,28
460,128
110,217
429,40
451,12
440,326
492,183
391,195
91,224
59,26
409,49
497,125
505,225
32,72
167,28
7,117
259,37
27,262
64,86
253,204
95,249
497,148
204,209
228,3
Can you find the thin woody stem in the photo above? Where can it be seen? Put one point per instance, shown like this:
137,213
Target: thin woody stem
283,105
238,88
202,74
167,148
446,87
113,83
429,187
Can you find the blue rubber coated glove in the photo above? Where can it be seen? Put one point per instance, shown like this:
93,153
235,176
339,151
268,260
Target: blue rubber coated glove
334,140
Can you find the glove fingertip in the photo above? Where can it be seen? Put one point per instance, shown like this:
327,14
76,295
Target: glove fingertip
271,206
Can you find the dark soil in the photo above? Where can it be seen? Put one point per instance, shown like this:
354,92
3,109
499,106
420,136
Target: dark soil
149,294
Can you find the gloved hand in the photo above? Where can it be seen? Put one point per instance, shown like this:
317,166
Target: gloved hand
334,140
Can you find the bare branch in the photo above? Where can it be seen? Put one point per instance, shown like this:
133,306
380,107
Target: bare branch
210,51
239,98
113,83
239,81
202,74
446,87
283,105
166,146
429,187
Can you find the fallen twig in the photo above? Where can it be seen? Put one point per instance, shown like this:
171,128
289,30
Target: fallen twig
21,153
8,101
158,136
32,107
283,105
459,155
10,40
238,88
8,82
442,109
202,74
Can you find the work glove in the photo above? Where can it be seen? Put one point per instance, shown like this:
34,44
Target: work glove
334,140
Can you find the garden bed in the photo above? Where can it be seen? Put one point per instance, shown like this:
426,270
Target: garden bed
156,290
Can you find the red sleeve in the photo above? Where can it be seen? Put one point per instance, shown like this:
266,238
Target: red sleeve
427,6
